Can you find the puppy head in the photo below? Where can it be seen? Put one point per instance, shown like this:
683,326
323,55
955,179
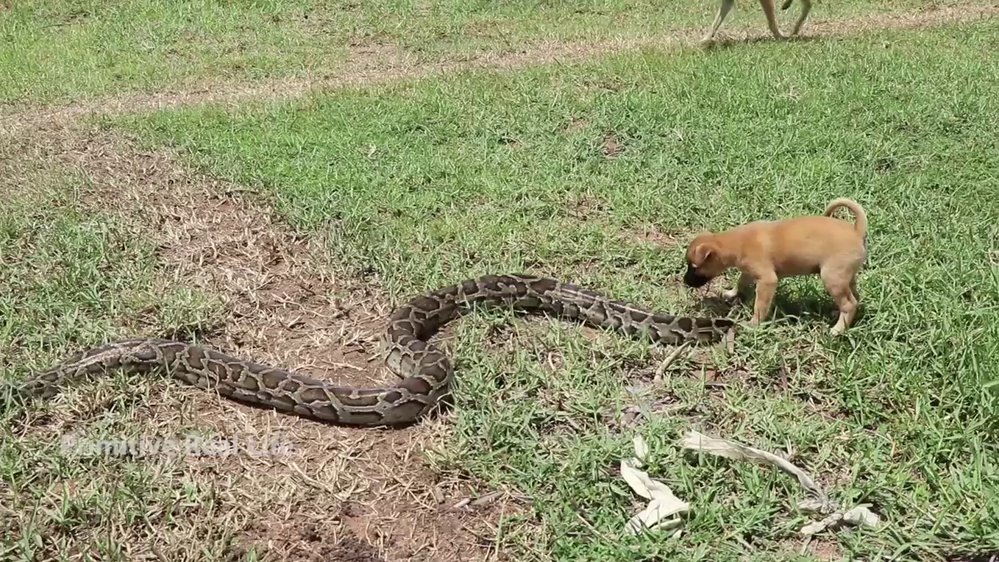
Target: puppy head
703,264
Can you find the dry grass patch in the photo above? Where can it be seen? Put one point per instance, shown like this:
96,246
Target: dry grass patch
342,492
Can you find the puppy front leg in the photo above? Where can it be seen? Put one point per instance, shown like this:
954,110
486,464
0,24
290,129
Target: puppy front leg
765,289
741,289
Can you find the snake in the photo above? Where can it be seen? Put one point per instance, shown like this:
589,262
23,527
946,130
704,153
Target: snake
425,372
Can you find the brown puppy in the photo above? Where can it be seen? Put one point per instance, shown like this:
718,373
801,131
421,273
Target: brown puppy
766,251
768,9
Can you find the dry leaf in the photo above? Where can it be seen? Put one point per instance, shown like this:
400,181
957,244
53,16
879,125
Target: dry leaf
818,503
663,505
730,449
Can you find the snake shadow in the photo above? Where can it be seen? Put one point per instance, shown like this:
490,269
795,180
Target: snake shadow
445,404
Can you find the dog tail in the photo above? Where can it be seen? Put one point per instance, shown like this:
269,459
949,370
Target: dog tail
786,4
855,208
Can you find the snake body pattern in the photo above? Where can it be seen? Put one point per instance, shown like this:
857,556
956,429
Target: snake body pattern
425,371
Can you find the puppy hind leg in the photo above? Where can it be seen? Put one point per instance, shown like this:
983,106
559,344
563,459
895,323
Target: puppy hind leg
723,9
856,300
843,293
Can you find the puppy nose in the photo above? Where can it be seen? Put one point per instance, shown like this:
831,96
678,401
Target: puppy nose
692,279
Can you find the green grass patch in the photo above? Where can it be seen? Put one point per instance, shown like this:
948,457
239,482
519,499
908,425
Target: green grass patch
70,275
565,170
58,50
54,50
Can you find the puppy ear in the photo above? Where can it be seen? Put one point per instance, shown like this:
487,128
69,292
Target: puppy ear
701,253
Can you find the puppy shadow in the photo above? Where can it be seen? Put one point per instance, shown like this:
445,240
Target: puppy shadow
789,307
793,309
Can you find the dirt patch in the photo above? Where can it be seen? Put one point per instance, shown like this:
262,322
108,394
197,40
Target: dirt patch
275,285
655,236
372,62
343,492
611,147
823,549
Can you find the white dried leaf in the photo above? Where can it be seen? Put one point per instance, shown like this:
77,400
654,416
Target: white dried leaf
858,516
641,448
644,486
819,526
662,508
730,449
863,516
658,515
637,479
819,503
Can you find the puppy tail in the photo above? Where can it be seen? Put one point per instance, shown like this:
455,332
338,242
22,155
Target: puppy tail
786,4
855,208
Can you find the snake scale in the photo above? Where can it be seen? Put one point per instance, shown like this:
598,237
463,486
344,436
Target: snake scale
425,371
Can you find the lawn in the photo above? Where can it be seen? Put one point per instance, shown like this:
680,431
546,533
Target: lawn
598,173
66,50
70,273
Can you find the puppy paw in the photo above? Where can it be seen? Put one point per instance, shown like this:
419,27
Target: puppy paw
836,331
730,295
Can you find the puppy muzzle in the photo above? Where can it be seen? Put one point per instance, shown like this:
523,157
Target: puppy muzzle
694,279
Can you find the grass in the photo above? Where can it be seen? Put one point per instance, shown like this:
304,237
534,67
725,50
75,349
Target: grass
578,171
70,274
595,172
61,50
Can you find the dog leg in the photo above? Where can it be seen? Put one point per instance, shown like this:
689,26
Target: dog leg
723,9
768,9
742,288
806,6
842,292
766,286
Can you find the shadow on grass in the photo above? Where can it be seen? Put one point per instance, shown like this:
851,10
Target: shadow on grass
809,305
726,43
